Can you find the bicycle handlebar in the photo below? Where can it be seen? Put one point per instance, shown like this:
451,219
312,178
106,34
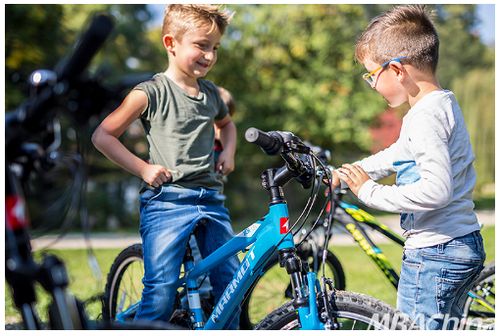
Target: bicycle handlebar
291,148
29,118
86,47
270,142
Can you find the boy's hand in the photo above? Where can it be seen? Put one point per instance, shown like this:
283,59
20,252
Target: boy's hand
335,182
354,176
155,175
225,163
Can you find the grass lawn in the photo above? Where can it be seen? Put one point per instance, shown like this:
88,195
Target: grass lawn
361,274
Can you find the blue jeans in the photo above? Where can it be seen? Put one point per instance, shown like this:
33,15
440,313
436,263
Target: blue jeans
168,215
434,281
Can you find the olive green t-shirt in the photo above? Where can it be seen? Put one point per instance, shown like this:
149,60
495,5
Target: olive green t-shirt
179,130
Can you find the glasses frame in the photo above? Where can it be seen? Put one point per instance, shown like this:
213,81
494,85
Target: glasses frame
368,76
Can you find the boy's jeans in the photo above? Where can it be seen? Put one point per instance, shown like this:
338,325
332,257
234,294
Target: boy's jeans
434,281
167,217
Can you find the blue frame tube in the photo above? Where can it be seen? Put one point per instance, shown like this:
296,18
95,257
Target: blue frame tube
266,235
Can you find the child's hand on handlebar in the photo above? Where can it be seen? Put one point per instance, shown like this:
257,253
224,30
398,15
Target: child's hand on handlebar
335,182
354,176
155,175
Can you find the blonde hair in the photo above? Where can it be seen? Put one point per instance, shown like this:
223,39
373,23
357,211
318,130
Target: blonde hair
403,31
179,19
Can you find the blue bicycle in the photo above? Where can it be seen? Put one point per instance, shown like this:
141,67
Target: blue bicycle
315,303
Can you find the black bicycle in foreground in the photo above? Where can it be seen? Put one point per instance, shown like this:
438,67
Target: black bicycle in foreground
32,150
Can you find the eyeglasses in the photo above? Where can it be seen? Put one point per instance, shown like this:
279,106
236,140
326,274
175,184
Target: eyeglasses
369,76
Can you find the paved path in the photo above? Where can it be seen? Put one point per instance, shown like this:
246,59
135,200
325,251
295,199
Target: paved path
119,240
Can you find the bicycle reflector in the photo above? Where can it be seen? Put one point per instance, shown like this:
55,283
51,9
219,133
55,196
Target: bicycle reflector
15,213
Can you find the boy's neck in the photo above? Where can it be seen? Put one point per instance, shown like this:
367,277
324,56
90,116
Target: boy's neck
423,88
188,84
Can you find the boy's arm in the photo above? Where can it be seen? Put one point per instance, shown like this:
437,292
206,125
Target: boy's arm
379,165
433,190
228,134
376,166
106,140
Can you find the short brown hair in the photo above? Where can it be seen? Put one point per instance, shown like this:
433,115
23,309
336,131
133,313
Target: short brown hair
403,31
179,19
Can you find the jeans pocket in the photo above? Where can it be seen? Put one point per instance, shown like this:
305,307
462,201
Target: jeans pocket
149,195
451,282
410,264
410,259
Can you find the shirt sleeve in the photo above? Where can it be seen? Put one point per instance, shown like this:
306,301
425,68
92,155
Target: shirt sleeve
380,165
428,138
152,94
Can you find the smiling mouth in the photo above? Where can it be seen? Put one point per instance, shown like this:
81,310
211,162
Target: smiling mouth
204,65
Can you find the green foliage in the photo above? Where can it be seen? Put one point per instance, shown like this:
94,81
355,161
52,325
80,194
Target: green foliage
460,46
302,78
475,92
27,44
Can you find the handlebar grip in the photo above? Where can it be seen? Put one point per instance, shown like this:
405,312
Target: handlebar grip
270,142
86,47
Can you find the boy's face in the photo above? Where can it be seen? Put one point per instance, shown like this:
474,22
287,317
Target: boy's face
385,81
195,53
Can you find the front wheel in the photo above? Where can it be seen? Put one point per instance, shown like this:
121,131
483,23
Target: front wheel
351,311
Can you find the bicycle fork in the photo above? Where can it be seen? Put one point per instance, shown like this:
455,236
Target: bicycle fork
305,288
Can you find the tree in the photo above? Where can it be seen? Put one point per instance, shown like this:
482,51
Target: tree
475,93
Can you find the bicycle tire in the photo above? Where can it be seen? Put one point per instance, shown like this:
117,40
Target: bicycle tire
485,287
273,296
130,257
352,311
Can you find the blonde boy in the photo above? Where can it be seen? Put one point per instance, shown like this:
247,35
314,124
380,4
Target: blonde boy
181,189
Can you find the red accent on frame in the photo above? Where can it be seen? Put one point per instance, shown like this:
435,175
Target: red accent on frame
284,225
15,212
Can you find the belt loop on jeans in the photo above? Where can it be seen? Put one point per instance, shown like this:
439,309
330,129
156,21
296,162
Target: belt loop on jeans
440,248
202,191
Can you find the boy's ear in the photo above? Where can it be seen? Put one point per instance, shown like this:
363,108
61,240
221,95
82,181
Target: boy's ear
397,68
169,43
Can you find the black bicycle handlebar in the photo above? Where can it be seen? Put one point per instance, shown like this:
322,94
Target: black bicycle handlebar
85,49
31,116
291,148
270,142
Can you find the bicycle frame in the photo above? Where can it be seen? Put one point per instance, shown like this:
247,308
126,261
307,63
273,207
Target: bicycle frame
260,240
265,236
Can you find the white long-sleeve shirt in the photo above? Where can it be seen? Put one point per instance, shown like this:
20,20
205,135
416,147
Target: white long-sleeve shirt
433,160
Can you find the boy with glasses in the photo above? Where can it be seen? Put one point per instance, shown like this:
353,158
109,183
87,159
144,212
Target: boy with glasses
433,163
